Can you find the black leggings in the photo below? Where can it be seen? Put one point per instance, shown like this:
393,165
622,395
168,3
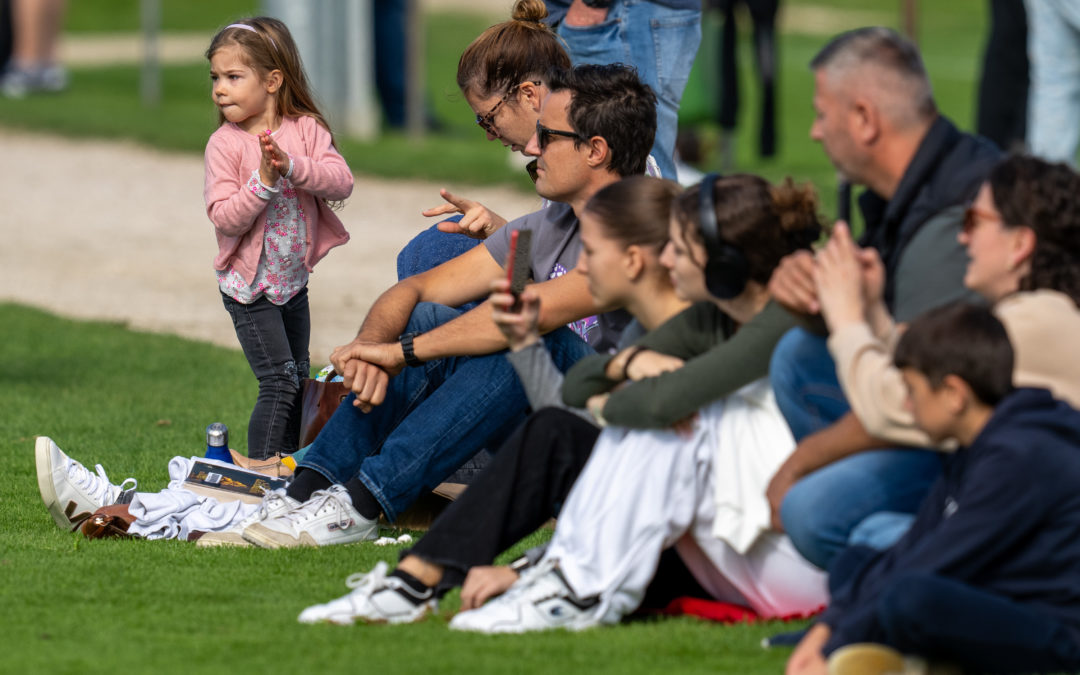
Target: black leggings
523,486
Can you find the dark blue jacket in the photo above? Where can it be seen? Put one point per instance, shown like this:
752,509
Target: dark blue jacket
1004,517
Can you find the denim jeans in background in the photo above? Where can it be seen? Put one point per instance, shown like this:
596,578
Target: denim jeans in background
275,341
1053,129
869,498
660,42
435,417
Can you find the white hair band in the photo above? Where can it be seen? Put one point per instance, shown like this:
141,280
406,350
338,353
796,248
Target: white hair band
252,29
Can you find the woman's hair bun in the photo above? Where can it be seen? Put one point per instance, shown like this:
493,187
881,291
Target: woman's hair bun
797,209
530,11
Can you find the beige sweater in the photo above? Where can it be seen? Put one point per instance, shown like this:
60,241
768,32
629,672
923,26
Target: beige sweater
1041,325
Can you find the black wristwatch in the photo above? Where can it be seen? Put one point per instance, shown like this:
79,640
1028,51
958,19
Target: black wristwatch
598,4
407,349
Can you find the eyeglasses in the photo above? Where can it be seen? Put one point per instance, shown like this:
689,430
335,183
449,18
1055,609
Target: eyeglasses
973,216
543,135
487,121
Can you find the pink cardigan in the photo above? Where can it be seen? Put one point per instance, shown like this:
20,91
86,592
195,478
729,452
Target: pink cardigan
239,216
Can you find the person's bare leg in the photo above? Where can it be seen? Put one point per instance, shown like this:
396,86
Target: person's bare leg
423,571
37,25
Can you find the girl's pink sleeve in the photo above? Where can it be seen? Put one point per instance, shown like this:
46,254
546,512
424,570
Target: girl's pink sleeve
231,205
323,172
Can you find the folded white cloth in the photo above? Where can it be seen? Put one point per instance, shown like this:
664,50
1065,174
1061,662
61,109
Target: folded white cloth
174,513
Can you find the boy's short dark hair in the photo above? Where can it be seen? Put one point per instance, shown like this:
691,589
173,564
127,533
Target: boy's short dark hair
610,101
964,340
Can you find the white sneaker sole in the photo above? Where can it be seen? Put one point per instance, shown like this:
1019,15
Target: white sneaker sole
213,539
47,488
264,537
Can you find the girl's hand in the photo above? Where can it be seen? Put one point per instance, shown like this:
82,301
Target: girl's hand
644,363
479,222
520,327
484,582
595,406
275,163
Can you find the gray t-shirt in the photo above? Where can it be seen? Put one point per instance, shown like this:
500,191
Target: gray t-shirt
556,245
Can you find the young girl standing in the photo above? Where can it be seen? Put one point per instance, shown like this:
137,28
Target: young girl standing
272,172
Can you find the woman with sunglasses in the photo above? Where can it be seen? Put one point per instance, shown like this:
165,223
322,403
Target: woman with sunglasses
501,75
1022,234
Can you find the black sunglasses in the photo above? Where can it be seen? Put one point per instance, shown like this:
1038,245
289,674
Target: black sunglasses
543,135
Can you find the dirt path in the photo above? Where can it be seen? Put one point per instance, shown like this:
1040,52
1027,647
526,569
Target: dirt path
116,231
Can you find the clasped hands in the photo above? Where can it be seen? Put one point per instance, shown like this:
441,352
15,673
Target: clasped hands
366,368
841,281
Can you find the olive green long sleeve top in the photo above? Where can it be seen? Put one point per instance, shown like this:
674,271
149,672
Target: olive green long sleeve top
718,361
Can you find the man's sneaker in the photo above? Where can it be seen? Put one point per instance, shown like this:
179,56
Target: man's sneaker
327,518
69,490
540,600
375,598
273,504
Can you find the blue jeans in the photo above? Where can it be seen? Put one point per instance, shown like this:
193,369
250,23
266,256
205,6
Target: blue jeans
1054,102
946,620
869,498
275,341
660,42
431,248
434,418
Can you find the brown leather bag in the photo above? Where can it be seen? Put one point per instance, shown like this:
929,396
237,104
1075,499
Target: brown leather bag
318,402
108,522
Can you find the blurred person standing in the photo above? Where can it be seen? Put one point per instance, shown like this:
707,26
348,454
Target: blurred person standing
1053,130
35,31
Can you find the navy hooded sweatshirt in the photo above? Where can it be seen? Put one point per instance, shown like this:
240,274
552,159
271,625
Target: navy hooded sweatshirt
1004,517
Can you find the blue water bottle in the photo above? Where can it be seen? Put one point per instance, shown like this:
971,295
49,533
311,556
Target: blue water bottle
217,442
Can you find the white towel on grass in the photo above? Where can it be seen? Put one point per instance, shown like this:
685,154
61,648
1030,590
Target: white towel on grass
174,513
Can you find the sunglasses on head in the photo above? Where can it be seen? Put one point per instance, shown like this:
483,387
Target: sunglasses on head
543,135
487,121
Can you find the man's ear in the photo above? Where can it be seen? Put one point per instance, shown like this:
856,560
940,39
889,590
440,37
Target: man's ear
865,118
599,152
273,81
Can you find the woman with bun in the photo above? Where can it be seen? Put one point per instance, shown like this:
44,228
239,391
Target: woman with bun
693,434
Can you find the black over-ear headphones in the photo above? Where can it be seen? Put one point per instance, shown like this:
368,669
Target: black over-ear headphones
726,270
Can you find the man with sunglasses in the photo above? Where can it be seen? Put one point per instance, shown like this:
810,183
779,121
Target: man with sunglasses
430,384
876,119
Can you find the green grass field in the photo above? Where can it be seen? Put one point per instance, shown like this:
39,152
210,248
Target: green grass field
130,401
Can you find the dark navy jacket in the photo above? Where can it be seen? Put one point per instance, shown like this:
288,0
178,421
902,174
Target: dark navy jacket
944,174
1004,517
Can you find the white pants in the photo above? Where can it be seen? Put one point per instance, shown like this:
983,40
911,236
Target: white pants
644,491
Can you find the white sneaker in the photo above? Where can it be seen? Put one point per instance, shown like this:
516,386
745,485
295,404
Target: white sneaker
273,504
540,600
69,490
327,518
376,598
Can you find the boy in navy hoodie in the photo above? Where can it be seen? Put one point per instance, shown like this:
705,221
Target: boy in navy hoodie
988,576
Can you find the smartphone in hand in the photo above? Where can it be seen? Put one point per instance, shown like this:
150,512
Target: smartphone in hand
517,264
